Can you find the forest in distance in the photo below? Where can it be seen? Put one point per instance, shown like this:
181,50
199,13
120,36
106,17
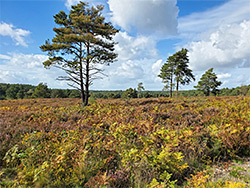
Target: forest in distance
26,91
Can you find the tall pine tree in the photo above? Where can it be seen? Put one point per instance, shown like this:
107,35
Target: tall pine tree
167,75
82,40
176,69
183,75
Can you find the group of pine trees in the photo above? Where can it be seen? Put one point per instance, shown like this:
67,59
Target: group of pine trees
175,72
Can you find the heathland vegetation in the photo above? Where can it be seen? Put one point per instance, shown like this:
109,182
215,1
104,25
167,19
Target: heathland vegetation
109,139
162,142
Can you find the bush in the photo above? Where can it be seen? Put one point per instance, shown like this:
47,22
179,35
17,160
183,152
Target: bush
129,93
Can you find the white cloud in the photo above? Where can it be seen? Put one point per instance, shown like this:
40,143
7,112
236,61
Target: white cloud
128,70
4,56
16,34
156,67
198,24
137,54
224,76
136,63
227,47
69,3
146,17
8,77
126,74
139,47
218,38
234,77
28,68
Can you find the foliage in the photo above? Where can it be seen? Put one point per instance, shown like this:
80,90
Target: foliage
58,93
167,75
41,91
183,75
129,93
82,40
201,180
208,83
15,91
144,143
26,91
11,92
140,88
176,69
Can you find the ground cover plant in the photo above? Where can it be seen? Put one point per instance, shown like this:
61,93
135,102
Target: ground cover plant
124,143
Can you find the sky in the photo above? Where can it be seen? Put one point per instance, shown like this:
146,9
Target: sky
215,32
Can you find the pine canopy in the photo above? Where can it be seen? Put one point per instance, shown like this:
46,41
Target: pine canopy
82,40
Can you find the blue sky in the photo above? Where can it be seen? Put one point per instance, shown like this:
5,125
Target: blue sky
216,33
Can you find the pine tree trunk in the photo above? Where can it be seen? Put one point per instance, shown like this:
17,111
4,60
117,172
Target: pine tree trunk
177,87
87,79
86,101
82,90
171,87
81,77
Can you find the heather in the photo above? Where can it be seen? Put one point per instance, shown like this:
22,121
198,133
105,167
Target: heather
159,142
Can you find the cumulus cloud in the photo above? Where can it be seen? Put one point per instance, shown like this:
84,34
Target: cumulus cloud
126,74
156,69
146,17
227,47
139,47
196,24
128,70
136,55
28,68
218,39
16,34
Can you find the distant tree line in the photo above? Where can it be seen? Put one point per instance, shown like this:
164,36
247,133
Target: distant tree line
24,91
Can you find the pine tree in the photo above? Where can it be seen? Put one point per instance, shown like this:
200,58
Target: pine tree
208,83
183,75
41,91
167,75
176,69
140,88
82,41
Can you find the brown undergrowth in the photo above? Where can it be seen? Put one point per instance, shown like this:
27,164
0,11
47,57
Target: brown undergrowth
122,143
